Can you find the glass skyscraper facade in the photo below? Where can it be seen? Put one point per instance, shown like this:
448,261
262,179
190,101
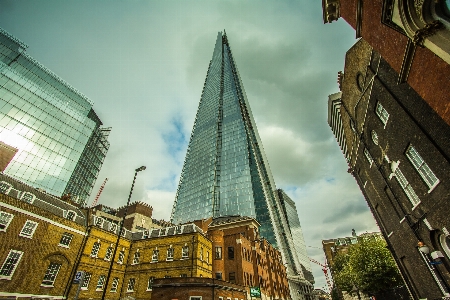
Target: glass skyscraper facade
291,215
225,171
61,145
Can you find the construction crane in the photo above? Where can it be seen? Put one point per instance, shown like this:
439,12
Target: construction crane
100,190
325,271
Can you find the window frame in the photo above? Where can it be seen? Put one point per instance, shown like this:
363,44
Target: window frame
114,285
51,274
65,236
24,194
136,257
132,282
11,216
150,283
5,264
230,252
368,156
170,254
68,214
121,257
422,168
406,187
4,183
109,253
185,252
30,234
96,250
155,256
381,112
86,281
100,283
218,252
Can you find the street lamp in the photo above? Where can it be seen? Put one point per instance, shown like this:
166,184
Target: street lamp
120,231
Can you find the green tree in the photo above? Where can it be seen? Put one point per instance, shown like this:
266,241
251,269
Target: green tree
368,264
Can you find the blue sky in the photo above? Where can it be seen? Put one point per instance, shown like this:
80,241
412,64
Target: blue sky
143,64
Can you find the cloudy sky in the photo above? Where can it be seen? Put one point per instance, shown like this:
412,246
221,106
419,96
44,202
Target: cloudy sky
143,64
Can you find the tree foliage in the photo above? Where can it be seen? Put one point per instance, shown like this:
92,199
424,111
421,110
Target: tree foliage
368,265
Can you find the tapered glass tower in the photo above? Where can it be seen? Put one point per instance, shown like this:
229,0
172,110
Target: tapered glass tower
225,171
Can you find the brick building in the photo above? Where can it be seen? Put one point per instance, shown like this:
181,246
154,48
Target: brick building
398,152
41,238
412,36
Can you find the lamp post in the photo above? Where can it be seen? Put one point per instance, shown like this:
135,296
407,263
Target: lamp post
120,231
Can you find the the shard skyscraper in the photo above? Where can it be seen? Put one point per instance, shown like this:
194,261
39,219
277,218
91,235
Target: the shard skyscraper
226,171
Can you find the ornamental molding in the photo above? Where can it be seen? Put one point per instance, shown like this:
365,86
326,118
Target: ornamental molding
428,30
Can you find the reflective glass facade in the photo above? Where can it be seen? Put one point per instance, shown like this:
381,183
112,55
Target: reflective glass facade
49,122
291,215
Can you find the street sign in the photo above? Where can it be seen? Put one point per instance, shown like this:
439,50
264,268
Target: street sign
255,291
78,277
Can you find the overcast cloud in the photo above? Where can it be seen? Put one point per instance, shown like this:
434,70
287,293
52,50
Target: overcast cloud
143,63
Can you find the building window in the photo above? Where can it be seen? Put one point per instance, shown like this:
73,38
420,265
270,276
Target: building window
99,221
66,239
5,219
86,280
207,257
71,215
155,255
219,275
368,156
422,168
185,252
218,253
374,137
27,197
100,283
112,227
232,277
407,188
183,275
167,276
150,283
28,229
114,285
445,244
121,257
109,253
95,249
201,253
170,254
146,234
136,257
230,252
10,264
130,287
382,113
50,274
195,298
5,187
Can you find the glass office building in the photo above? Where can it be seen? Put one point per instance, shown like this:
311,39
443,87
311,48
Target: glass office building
225,171
61,144
291,215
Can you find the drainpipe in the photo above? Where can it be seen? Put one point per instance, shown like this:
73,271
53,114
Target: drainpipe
80,253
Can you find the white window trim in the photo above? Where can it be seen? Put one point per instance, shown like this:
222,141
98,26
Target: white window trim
9,221
29,236
85,288
8,189
63,245
368,157
128,285
380,115
99,221
173,254
56,275
15,266
419,168
137,256
103,283
197,297
23,194
98,250
113,227
150,289
153,256
121,257
116,286
106,254
66,215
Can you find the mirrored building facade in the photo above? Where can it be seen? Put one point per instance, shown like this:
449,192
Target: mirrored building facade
225,171
61,144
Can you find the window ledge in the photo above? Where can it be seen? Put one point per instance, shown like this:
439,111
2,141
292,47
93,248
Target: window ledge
415,206
133,264
169,259
120,263
98,290
106,259
47,286
153,261
26,236
5,277
434,186
113,291
84,288
184,258
149,290
63,246
130,291
93,256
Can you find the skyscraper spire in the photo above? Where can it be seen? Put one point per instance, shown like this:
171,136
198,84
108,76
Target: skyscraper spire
225,171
